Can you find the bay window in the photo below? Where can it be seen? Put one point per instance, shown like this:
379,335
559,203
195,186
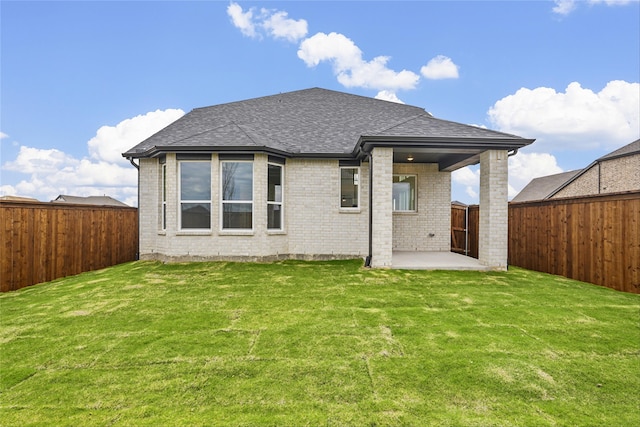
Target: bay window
274,197
236,182
195,194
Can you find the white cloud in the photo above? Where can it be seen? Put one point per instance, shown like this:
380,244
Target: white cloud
469,178
105,171
3,135
577,119
440,67
274,23
387,95
612,2
242,20
523,167
565,7
35,160
346,58
111,141
279,26
349,66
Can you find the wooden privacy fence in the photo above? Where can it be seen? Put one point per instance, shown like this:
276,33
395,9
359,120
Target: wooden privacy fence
40,242
593,239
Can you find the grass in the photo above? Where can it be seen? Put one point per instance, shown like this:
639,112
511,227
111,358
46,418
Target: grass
324,343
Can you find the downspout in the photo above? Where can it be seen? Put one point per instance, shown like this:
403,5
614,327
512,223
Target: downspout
367,261
134,165
138,168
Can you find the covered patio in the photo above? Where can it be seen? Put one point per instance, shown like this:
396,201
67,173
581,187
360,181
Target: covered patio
411,260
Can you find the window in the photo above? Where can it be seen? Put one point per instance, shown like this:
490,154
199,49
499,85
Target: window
404,193
349,183
274,197
237,195
195,195
164,196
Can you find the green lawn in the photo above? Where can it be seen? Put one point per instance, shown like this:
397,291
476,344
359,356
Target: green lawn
325,343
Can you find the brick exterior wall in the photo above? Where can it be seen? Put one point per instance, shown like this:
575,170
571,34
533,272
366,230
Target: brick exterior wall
608,176
493,233
429,228
382,223
315,226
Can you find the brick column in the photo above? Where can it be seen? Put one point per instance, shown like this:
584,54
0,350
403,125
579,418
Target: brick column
493,239
149,200
382,225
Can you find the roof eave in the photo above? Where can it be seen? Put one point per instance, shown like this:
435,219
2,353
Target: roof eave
367,143
157,151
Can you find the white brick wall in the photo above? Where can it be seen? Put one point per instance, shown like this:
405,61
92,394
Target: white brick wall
493,239
411,231
382,223
315,227
314,224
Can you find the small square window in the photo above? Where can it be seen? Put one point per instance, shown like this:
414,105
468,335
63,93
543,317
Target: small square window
404,193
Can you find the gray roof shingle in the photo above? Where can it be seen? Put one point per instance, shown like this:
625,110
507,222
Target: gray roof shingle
89,200
311,122
547,186
540,188
627,150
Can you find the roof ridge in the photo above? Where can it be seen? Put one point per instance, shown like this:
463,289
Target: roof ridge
241,127
205,131
625,150
403,122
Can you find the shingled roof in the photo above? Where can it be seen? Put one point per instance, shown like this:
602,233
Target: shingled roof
547,186
540,188
313,123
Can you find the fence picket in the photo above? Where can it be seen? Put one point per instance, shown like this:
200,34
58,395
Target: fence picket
40,242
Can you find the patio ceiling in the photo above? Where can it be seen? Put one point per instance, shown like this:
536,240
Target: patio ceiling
447,161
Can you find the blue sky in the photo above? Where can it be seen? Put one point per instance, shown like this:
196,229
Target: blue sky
83,81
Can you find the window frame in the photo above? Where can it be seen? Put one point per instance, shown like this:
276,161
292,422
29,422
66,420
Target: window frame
359,174
276,203
223,202
415,195
198,201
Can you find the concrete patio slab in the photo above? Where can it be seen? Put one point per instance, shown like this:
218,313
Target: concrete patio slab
407,260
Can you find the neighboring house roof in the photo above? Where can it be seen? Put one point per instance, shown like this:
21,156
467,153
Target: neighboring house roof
630,149
627,150
18,199
547,186
540,188
322,123
90,200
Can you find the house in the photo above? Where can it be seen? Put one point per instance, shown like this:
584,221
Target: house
314,174
89,200
616,172
540,188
